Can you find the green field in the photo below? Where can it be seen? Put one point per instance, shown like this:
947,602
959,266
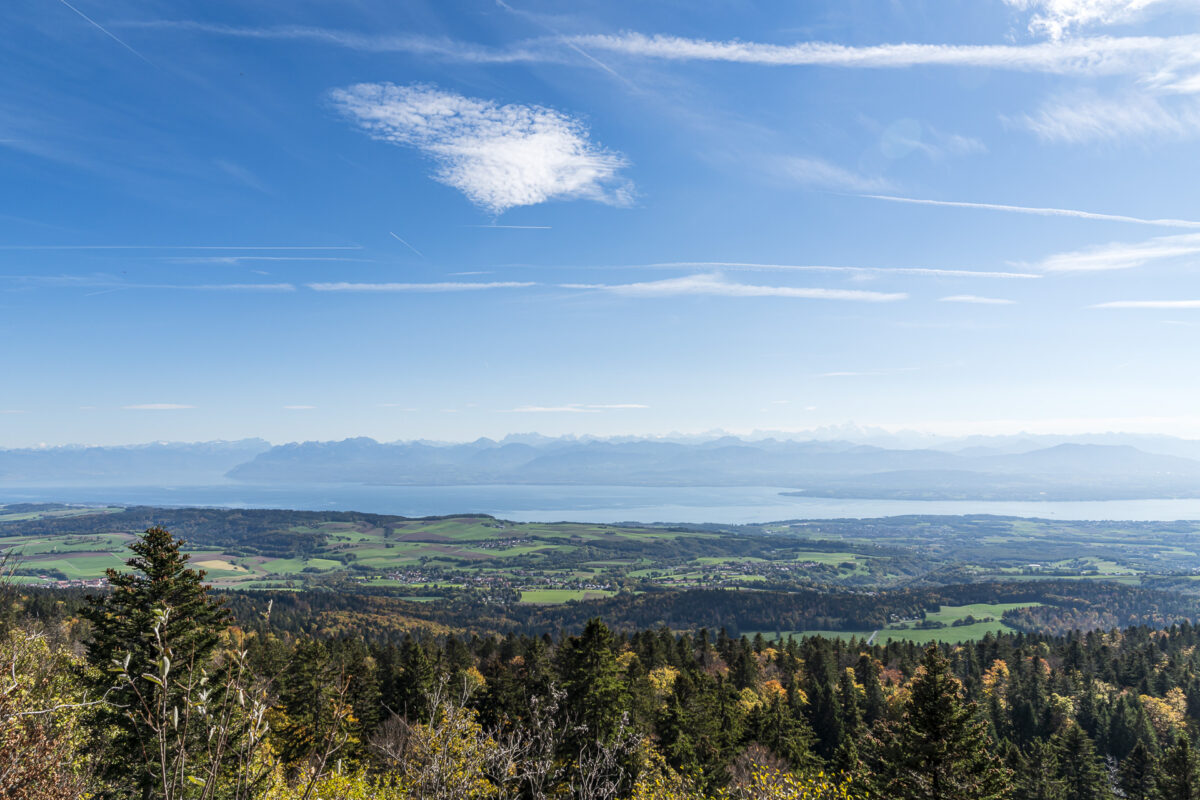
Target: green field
946,614
553,596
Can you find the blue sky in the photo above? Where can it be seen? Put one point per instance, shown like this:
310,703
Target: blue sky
312,220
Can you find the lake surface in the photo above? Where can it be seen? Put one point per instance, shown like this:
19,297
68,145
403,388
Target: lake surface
725,505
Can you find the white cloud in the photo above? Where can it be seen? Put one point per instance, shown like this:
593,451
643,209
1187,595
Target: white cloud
11,411
499,156
1123,255
1173,304
931,272
447,286
1044,212
1158,59
717,286
157,407
1092,56
1056,18
818,172
976,299
1093,118
574,408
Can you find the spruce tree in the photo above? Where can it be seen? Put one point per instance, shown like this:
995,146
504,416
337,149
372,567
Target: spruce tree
1078,766
1036,774
1179,772
940,750
1136,777
123,624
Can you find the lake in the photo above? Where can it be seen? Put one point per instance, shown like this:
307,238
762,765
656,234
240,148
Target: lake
725,505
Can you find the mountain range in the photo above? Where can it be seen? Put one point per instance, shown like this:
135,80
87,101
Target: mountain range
996,468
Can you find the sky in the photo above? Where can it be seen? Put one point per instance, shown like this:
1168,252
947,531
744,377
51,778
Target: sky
459,218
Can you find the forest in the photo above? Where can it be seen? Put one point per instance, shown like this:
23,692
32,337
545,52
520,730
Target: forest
161,687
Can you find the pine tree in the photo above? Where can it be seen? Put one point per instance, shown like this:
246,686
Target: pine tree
940,750
124,623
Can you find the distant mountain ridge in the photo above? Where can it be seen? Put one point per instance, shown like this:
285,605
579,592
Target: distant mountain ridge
1014,469
158,463
818,468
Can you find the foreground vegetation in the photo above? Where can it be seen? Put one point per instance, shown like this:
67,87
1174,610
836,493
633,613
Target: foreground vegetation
155,689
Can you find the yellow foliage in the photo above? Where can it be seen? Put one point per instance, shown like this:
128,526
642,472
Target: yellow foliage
1166,713
663,679
995,682
749,700
772,689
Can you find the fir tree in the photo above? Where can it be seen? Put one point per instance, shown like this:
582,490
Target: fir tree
1179,772
1136,777
160,587
940,750
1078,766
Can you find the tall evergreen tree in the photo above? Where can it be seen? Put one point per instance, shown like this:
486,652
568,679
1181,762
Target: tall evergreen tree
940,750
1136,777
1078,766
124,622
1179,772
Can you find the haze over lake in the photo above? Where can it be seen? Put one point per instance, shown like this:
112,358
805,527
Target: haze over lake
722,505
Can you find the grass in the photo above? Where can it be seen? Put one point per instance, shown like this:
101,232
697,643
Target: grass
556,596
946,614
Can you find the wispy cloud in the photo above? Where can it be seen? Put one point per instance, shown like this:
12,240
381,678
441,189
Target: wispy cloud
929,272
234,260
715,285
499,156
870,373
1123,255
157,407
231,248
446,286
818,172
1056,18
1039,211
1088,56
1132,115
1166,61
110,283
574,408
976,299
1170,304
11,411
434,47
513,227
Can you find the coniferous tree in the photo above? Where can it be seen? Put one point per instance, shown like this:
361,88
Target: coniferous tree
160,609
1178,771
940,750
596,695
1080,770
1035,775
1136,776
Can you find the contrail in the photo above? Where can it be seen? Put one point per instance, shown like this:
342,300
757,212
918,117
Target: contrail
1042,212
106,32
406,244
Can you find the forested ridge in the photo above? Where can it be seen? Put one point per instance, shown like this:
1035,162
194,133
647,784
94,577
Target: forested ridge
158,689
